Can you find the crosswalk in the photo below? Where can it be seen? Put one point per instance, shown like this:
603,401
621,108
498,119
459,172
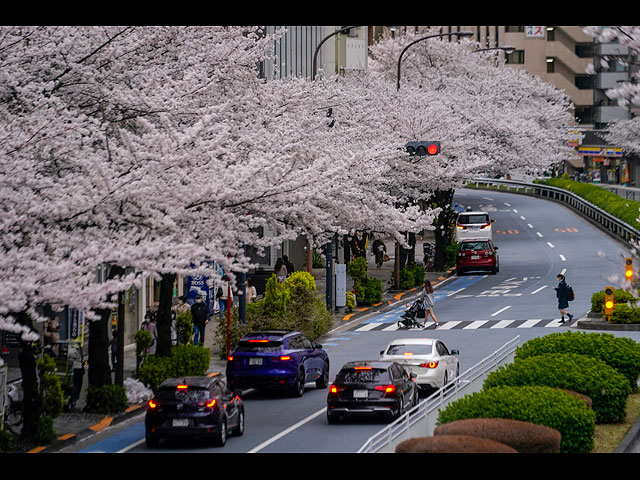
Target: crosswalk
387,326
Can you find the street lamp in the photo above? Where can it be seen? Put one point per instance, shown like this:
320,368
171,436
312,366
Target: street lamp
315,54
459,34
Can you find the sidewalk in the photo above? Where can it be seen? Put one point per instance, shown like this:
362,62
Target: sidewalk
76,425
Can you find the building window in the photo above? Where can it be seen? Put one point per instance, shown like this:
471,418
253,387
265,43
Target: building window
551,65
514,29
516,58
584,82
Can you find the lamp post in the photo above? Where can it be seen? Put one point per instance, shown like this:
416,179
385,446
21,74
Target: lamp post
315,53
459,34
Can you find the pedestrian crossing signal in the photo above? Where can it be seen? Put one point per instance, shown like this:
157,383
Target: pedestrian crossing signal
628,273
608,301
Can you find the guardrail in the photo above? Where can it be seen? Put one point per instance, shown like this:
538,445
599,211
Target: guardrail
580,205
421,420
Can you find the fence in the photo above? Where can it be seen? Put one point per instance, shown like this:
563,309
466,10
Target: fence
421,420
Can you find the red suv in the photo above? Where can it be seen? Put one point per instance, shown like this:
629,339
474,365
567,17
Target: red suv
478,254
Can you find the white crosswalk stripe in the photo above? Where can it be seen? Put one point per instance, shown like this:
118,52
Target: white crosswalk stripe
392,325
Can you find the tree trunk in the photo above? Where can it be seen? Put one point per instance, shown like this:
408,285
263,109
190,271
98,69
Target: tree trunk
444,222
164,315
99,373
32,401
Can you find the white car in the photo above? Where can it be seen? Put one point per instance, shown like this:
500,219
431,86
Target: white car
474,225
429,358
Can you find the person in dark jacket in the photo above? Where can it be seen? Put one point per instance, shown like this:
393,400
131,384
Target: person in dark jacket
562,293
200,318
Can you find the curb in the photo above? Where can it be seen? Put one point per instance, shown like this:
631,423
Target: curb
70,438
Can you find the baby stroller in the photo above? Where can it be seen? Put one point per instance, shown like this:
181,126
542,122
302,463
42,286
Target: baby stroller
412,315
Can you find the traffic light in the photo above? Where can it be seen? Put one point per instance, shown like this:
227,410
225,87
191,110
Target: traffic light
423,148
628,273
608,301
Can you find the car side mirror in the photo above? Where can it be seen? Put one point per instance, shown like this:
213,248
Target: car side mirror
317,346
493,220
413,375
455,352
495,248
381,352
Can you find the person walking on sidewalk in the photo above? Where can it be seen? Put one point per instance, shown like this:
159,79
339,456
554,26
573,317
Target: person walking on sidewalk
200,318
562,293
429,303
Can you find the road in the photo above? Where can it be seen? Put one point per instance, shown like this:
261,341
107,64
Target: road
479,313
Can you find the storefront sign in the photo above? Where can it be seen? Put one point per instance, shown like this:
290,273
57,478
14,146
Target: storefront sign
534,32
600,151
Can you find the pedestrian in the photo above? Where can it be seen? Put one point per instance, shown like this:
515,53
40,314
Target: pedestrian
52,334
429,303
149,324
114,350
288,264
182,306
223,295
562,293
251,292
200,317
281,270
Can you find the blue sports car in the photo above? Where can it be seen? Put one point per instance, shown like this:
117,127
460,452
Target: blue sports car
277,359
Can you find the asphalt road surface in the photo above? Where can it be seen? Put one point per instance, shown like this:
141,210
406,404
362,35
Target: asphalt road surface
478,314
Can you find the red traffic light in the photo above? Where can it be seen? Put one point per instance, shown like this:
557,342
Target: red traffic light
423,148
433,148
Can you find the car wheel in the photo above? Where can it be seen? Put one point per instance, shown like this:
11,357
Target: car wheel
459,272
239,430
323,381
221,435
151,441
298,385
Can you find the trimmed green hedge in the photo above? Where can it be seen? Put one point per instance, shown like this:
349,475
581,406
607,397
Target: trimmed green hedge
622,208
625,309
621,353
185,360
607,388
536,404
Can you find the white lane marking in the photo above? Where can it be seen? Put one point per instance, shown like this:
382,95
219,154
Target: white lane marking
368,326
536,291
453,293
539,234
501,310
522,217
287,431
564,270
562,258
554,323
507,204
448,325
550,244
529,225
515,211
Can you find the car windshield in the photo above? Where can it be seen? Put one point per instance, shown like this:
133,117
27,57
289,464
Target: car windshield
259,346
363,375
475,246
409,350
473,219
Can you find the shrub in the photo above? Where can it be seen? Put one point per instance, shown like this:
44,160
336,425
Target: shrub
53,394
184,360
372,291
525,437
106,399
452,444
624,314
184,328
621,353
6,441
536,404
607,388
45,432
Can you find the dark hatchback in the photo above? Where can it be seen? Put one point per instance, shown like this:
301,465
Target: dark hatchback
199,407
277,359
480,254
371,388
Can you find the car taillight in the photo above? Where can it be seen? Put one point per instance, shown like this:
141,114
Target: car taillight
284,358
386,388
461,227
429,364
486,225
335,389
152,404
230,358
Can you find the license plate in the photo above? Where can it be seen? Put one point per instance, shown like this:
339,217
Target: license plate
360,394
255,361
180,422
475,257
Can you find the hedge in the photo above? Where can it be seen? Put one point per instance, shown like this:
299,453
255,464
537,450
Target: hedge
536,404
607,388
452,444
185,360
621,353
622,208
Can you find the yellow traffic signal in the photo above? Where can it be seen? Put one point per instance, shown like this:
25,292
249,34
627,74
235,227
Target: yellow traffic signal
628,273
608,301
